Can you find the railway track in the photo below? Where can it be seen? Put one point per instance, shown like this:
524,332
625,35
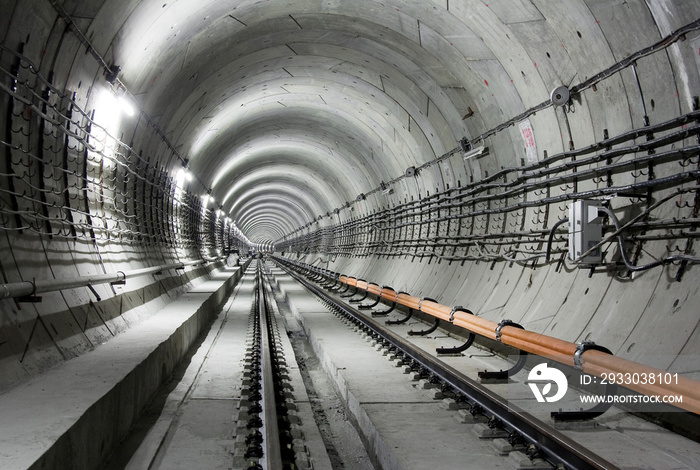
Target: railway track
538,439
292,376
266,404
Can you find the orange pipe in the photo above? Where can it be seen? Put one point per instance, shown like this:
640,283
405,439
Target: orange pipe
374,289
409,301
595,362
389,294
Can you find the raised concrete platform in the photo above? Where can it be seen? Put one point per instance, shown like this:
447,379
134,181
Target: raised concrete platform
195,428
195,421
74,415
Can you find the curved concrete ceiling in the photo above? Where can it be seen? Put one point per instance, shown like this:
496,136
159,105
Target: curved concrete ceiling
327,99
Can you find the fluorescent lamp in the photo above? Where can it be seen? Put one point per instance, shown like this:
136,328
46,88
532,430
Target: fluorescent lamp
475,152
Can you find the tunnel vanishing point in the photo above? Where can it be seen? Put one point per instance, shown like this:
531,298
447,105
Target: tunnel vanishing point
534,162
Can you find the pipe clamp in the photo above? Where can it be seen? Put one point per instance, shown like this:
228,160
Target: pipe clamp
452,313
503,323
582,347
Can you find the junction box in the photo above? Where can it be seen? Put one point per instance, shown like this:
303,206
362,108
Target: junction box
585,231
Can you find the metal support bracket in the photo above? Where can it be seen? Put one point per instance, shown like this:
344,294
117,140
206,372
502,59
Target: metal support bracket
372,305
353,301
503,375
383,313
584,346
120,282
404,319
459,308
30,298
355,289
585,415
335,279
426,332
420,302
503,323
343,290
94,292
457,350
599,408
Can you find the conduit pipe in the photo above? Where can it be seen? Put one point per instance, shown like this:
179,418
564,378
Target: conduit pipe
29,288
594,362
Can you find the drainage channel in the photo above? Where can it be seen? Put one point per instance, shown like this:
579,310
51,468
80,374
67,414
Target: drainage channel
543,443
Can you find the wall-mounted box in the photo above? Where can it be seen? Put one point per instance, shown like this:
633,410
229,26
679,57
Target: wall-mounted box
585,231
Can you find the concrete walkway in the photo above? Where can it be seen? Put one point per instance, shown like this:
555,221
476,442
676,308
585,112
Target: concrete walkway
195,428
75,415
196,423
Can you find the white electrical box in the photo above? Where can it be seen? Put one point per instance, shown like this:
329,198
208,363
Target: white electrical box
585,231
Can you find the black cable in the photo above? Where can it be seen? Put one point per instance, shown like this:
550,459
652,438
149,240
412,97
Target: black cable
630,266
550,238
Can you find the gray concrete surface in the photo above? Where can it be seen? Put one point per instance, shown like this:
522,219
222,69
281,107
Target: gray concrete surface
288,112
393,418
75,414
392,413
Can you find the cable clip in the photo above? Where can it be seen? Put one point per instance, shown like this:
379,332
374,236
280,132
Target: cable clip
503,323
582,347
452,313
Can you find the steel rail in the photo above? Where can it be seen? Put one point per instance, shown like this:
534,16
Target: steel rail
592,361
272,458
558,448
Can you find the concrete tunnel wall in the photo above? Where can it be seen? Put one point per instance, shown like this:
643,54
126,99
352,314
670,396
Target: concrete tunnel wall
287,111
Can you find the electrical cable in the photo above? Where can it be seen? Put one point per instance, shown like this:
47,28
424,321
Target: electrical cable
550,238
623,254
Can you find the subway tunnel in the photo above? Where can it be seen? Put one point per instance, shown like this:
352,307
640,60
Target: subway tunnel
523,174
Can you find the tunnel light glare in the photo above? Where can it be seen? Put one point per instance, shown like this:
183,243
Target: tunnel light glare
183,176
125,106
107,101
107,118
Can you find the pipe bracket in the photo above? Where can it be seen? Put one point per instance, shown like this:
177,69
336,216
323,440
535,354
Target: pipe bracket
30,298
420,302
120,282
503,323
582,347
458,308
